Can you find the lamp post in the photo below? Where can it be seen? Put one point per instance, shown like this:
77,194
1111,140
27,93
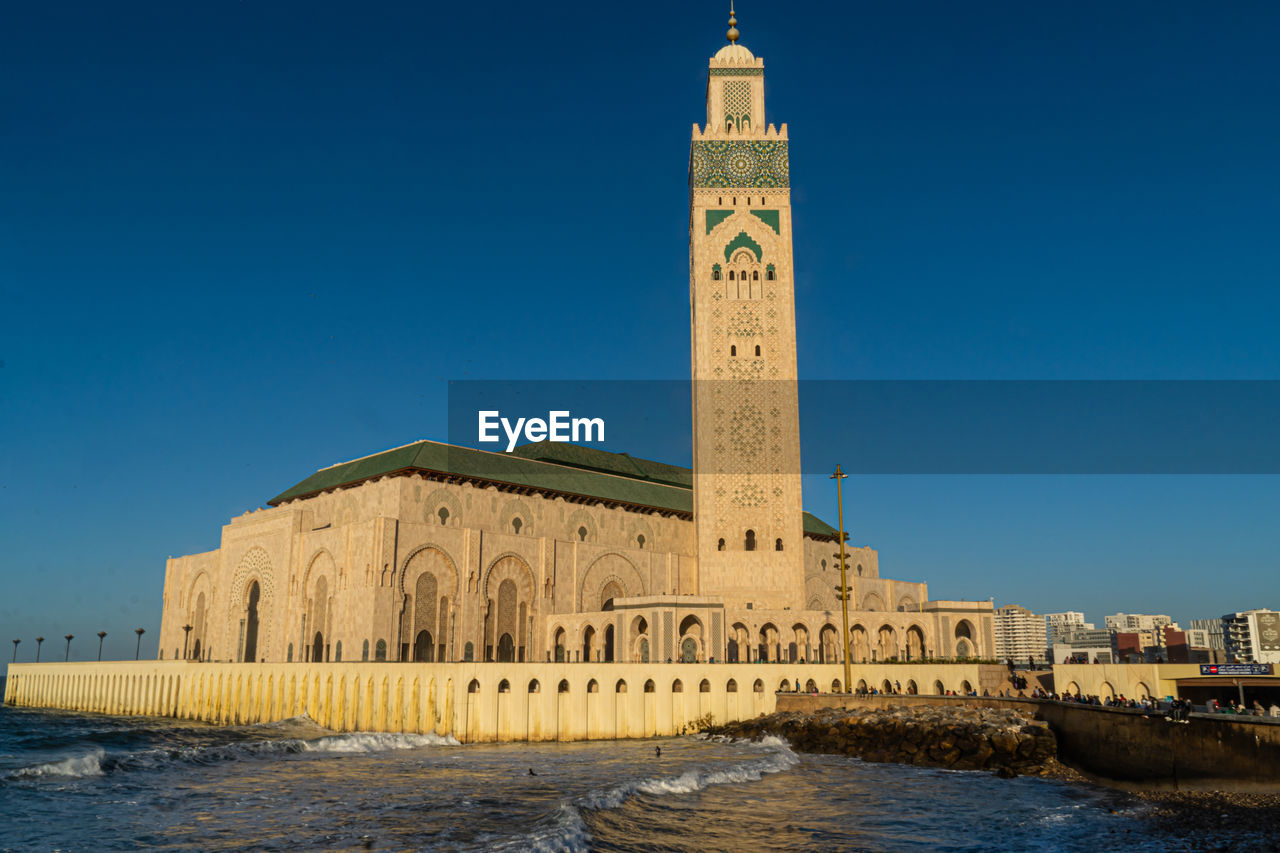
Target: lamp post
137,653
102,635
69,638
838,476
186,635
39,642
15,651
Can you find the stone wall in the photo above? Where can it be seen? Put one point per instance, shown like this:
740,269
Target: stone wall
471,701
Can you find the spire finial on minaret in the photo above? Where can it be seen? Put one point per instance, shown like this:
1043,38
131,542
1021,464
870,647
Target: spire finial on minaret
733,25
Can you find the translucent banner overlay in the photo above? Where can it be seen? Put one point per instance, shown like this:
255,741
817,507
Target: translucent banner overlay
883,427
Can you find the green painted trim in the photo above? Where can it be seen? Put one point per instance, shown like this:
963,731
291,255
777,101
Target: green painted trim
743,240
715,217
770,218
735,72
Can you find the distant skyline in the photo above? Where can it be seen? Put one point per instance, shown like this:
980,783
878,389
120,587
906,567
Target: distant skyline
240,243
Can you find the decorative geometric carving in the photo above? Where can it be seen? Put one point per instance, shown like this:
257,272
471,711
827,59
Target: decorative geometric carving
739,163
746,430
737,102
736,72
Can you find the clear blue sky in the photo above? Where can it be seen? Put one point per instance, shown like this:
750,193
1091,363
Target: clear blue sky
239,242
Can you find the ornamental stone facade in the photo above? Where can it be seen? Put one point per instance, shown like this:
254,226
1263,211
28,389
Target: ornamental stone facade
555,553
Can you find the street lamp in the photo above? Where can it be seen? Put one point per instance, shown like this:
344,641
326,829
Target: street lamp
102,635
70,637
839,476
15,650
186,635
138,651
39,641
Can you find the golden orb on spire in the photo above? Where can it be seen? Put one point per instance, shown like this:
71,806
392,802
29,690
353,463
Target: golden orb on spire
733,26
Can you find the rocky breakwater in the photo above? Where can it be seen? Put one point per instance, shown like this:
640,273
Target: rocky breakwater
929,736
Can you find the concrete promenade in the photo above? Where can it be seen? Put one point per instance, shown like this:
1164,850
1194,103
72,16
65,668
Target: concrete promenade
472,702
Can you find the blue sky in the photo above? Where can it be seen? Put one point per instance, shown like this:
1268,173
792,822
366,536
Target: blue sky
241,242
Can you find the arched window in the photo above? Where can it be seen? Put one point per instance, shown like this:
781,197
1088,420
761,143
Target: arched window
769,275
290,658
504,686
517,523
731,275
715,275
859,571
444,515
704,686
824,565
380,650
364,651
620,687
731,687
469,652
640,540
755,275
758,687
648,686
337,652
534,686
593,686
720,545
474,686
564,686
733,350
777,544
677,686
757,350
582,534
751,540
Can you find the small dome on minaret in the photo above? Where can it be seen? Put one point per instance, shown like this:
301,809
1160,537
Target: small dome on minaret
733,51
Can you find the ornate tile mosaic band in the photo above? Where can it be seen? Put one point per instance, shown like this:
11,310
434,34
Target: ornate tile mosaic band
740,163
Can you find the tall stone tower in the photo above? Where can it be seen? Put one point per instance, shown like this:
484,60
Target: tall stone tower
746,429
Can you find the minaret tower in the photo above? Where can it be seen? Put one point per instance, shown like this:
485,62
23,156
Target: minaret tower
746,428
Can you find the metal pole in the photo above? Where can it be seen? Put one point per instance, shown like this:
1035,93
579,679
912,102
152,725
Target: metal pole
39,643
838,476
69,638
186,635
1240,687
15,651
137,653
101,636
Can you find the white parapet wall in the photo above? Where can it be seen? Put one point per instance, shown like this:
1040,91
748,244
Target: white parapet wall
472,702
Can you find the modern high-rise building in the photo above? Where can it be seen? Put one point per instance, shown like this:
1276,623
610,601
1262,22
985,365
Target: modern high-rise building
1020,634
1137,622
1058,626
1253,636
1214,632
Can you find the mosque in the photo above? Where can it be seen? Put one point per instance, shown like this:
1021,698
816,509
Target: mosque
558,552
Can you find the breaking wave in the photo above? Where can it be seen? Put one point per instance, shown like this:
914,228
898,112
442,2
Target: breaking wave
66,768
98,762
569,831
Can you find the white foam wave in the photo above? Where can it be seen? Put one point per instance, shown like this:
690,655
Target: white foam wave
375,742
569,831
76,767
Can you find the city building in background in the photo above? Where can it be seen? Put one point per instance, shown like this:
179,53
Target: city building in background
1020,634
1253,636
1214,632
1084,645
1058,626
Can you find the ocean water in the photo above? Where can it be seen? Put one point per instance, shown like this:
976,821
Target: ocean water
92,782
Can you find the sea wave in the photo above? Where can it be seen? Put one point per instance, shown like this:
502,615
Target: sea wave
74,767
568,830
98,762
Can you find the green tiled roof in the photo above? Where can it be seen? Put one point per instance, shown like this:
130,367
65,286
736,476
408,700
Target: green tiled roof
571,470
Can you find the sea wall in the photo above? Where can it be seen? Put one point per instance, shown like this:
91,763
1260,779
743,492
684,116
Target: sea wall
1209,752
470,701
